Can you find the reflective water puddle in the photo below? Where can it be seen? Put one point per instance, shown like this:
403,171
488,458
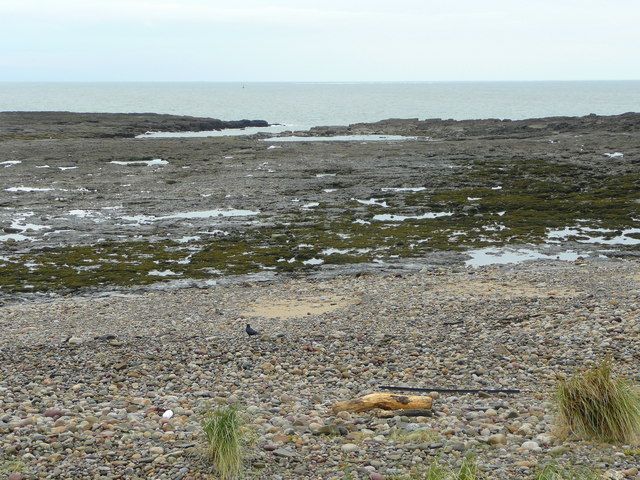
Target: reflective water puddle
502,256
401,218
227,132
149,163
586,235
199,214
342,138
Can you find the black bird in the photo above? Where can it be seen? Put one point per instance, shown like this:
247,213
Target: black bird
250,331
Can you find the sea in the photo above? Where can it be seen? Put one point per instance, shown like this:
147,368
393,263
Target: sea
303,105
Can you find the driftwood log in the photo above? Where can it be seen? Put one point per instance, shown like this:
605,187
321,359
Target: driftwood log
385,401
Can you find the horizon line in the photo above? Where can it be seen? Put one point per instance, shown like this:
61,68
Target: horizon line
327,82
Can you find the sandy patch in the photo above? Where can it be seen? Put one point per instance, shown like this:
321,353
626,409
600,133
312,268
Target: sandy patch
296,307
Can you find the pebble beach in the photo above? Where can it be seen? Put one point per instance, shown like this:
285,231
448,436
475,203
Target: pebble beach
86,381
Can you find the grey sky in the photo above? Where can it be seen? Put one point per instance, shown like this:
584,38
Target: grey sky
328,40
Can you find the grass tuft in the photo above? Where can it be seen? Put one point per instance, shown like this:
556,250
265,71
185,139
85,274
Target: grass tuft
11,466
437,472
594,405
224,449
468,470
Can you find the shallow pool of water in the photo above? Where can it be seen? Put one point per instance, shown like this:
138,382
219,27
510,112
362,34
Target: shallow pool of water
27,189
404,189
344,251
10,163
198,214
228,132
372,201
16,237
401,218
313,261
149,163
594,235
163,273
502,256
342,138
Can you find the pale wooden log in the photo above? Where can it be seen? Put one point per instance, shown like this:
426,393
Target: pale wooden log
385,401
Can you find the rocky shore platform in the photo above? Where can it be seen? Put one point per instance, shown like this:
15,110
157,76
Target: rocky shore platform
84,207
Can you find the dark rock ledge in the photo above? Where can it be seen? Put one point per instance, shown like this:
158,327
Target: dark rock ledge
45,125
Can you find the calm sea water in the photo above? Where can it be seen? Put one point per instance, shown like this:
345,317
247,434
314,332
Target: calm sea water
302,105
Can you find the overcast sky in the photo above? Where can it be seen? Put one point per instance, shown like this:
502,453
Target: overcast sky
319,40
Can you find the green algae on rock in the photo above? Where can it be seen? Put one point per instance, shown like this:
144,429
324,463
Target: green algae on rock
533,198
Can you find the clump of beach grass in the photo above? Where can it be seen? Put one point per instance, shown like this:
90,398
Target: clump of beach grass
556,472
468,470
595,405
11,466
224,441
437,472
